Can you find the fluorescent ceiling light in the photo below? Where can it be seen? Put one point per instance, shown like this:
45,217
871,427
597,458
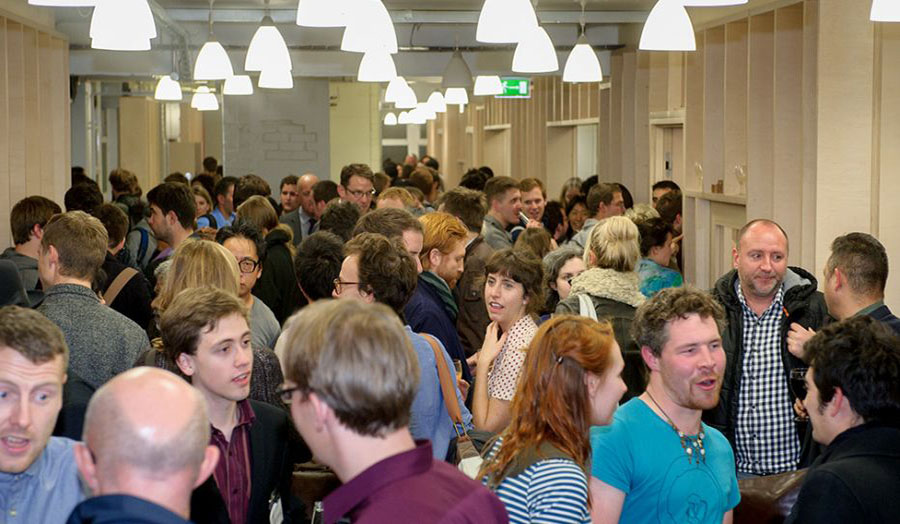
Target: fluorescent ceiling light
505,21
122,25
376,66
275,79
204,100
267,49
370,28
167,89
212,62
238,85
456,95
323,13
390,119
582,64
885,11
488,85
436,102
668,28
457,72
535,53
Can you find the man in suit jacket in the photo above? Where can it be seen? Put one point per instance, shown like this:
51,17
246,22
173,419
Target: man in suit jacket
855,276
302,217
206,333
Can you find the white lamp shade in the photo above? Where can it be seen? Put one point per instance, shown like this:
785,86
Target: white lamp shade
416,116
395,89
404,118
376,66
122,25
64,3
212,63
436,102
457,72
238,85
668,28
203,100
407,99
535,53
167,89
390,119
505,21
488,85
456,96
275,79
711,3
885,11
323,13
369,28
267,49
582,64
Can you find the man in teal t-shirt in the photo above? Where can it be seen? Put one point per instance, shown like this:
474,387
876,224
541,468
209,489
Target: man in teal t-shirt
658,462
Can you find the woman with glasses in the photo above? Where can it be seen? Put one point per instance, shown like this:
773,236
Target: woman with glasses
570,381
513,294
277,285
203,263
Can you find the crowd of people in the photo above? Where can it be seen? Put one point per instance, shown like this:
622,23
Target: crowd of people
172,357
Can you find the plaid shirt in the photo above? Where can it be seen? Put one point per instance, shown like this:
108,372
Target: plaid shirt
766,439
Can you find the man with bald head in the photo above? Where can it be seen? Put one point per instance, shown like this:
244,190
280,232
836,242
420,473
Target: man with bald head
302,217
146,447
762,296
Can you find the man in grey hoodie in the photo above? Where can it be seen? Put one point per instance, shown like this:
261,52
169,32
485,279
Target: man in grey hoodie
27,220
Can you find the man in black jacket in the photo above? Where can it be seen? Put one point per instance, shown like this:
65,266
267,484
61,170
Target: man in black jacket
854,406
762,297
206,332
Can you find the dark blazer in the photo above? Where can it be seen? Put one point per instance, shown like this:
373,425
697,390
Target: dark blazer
134,299
292,220
883,314
425,313
473,318
277,287
271,466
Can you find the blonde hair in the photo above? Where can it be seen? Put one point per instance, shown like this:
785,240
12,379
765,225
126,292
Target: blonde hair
615,243
198,263
399,193
641,213
260,212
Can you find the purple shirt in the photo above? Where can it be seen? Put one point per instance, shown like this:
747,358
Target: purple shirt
413,487
232,473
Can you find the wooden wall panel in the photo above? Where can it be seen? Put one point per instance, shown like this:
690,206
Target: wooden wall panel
693,123
888,157
34,117
714,107
760,140
736,70
638,180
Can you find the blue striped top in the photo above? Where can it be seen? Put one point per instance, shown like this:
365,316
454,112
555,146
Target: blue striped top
552,490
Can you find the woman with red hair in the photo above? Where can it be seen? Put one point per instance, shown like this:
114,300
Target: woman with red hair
571,380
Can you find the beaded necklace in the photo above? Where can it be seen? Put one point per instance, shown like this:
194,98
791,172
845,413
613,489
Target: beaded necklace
689,444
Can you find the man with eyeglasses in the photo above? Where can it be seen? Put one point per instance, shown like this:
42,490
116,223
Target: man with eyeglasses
357,186
245,242
205,332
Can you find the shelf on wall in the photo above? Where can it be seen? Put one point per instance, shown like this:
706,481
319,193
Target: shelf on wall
740,200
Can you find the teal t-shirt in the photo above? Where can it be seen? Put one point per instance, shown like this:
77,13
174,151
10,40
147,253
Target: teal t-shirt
641,455
655,277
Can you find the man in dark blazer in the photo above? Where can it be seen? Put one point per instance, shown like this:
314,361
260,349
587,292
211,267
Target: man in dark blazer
206,333
302,218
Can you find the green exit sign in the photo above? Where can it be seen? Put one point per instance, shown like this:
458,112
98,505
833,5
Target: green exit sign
515,87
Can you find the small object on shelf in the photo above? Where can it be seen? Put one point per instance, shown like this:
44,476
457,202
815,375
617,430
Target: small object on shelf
698,173
740,173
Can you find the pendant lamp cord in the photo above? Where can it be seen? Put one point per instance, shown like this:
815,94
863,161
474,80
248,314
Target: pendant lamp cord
583,3
210,16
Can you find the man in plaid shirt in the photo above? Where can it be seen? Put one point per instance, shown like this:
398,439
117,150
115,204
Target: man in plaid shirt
762,297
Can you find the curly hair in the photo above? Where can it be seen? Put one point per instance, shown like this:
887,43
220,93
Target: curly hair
650,326
385,269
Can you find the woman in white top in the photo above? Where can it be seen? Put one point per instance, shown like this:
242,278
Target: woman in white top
513,294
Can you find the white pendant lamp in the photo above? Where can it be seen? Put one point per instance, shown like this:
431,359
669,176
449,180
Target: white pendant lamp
436,102
535,53
369,28
582,64
212,62
275,79
407,99
323,13
63,3
457,72
267,49
376,66
488,85
712,3
885,11
390,119
238,85
122,25
668,28
395,89
456,96
505,21
167,89
404,118
204,100
416,116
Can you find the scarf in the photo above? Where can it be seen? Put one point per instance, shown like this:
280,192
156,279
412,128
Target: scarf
443,291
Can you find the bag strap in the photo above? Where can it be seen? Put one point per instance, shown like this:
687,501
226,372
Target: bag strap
113,290
447,387
586,306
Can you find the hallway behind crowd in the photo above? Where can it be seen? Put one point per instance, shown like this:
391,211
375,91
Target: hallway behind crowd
388,349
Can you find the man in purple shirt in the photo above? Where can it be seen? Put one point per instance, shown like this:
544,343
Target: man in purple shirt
351,375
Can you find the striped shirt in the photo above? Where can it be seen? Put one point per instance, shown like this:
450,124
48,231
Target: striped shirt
551,490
